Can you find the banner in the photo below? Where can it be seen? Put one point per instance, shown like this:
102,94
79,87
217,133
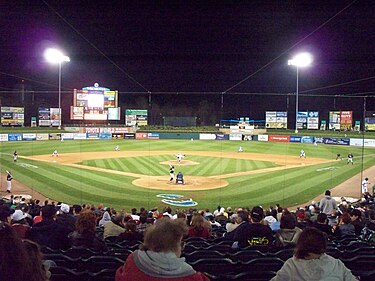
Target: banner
136,117
276,119
44,117
313,120
12,116
302,120
278,138
55,117
334,120
370,121
346,120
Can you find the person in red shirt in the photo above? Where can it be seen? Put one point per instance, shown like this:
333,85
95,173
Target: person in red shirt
198,227
159,258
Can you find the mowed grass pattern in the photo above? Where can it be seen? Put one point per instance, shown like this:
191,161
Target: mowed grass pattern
286,186
207,166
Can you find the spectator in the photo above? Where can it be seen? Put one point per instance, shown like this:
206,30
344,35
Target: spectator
38,267
310,262
255,233
65,219
198,228
114,227
345,228
327,204
159,258
106,217
269,218
5,212
19,224
321,223
16,263
288,233
143,224
356,220
48,232
130,233
241,219
84,235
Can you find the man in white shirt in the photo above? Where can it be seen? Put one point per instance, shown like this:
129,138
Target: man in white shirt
365,184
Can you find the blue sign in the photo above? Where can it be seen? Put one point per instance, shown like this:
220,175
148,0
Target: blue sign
339,141
92,136
220,136
307,139
153,136
295,139
14,137
105,136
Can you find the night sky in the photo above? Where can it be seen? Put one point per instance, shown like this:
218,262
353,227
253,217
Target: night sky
207,47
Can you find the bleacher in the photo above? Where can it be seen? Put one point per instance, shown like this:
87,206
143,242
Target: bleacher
214,257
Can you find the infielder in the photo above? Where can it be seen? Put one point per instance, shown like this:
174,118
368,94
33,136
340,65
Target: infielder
15,156
302,154
54,153
9,181
350,159
117,148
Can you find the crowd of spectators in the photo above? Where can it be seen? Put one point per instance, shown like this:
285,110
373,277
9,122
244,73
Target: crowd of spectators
28,226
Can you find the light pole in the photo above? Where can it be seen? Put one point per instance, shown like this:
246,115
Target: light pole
56,56
301,60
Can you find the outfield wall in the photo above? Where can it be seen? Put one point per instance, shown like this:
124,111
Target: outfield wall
10,137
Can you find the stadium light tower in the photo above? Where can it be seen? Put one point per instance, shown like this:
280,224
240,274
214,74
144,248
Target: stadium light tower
300,60
55,56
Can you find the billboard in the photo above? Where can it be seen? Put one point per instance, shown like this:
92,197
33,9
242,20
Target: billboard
136,117
276,119
95,103
370,120
334,120
346,120
313,120
12,116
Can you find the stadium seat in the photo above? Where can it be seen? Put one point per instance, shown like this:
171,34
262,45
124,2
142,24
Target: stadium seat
216,266
95,264
63,260
79,252
259,264
245,255
61,273
199,254
251,275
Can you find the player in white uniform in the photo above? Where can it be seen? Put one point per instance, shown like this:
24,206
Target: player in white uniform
365,184
117,148
15,156
302,154
9,181
54,153
179,157
240,149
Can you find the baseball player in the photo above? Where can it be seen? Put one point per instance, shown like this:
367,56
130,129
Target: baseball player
240,149
338,156
302,154
179,157
180,178
171,172
350,159
15,156
365,184
54,153
117,148
9,181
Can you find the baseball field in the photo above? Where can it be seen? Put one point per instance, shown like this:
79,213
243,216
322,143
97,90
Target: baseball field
266,173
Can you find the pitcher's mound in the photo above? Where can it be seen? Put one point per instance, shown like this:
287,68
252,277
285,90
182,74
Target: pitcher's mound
191,183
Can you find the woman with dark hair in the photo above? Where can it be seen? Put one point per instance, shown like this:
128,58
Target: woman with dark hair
16,262
84,235
198,227
159,258
288,233
38,267
310,262
130,233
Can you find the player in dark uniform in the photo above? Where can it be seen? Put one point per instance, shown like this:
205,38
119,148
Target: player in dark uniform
15,156
180,178
338,156
171,172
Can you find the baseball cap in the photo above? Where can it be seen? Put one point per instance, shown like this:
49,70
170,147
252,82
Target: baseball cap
64,208
18,215
257,213
5,212
328,192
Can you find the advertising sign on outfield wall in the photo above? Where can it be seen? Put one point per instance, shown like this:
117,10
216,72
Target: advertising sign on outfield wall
346,120
68,136
339,141
129,136
79,136
207,136
42,137
153,136
141,136
14,137
302,120
221,137
295,139
262,137
3,137
105,136
370,121
278,138
92,136
236,137
365,142
307,139
28,137
334,120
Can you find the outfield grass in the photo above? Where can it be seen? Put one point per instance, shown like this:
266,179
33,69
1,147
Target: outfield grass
286,186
